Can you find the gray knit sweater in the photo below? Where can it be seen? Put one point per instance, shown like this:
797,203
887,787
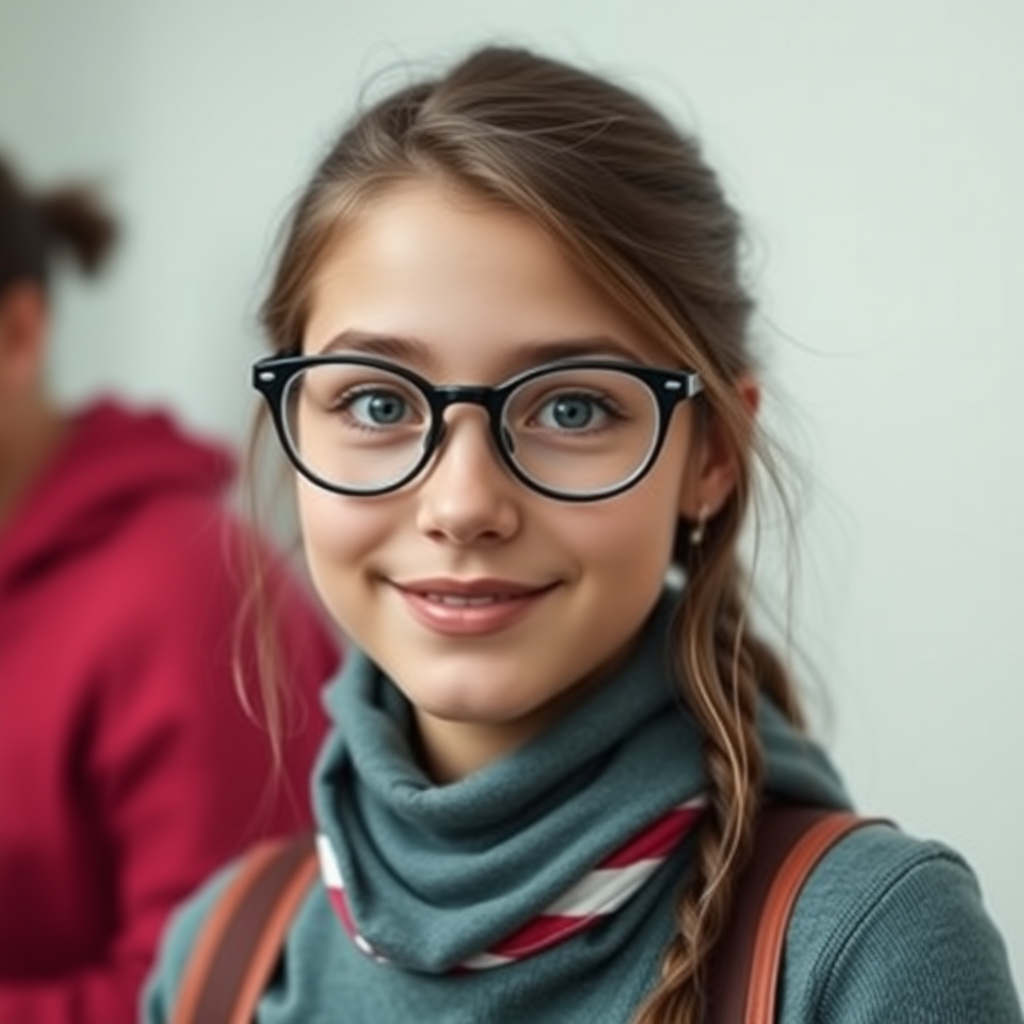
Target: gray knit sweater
888,929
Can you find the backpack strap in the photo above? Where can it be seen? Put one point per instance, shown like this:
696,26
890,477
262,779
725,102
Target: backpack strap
744,971
241,941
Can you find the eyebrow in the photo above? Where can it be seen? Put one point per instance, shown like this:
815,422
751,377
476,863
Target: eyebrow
526,355
390,346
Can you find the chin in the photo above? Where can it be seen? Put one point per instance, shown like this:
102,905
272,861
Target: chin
456,705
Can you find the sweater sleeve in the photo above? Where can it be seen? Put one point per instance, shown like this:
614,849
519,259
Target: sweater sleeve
893,929
180,778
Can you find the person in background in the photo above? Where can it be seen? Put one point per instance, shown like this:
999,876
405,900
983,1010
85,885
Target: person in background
131,764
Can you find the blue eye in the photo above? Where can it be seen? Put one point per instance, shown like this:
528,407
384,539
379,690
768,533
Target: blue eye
571,412
378,408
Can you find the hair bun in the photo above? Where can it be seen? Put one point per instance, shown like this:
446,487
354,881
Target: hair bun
75,220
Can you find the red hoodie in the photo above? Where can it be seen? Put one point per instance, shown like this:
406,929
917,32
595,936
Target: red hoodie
128,768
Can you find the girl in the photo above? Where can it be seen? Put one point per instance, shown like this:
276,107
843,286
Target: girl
511,368
128,769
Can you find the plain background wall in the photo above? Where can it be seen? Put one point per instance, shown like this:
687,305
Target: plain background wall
877,150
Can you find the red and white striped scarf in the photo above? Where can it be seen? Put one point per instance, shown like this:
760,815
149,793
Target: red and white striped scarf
593,898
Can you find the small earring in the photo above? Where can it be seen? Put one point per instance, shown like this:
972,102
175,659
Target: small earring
699,528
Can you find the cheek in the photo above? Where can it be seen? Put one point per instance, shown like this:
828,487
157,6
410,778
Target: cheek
628,538
337,533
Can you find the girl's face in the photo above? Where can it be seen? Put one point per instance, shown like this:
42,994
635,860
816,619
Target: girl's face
489,605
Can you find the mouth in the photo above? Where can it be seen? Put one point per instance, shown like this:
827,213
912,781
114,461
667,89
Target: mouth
465,600
470,607
484,590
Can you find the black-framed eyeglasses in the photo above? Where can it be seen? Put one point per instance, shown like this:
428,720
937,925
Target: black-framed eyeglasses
575,430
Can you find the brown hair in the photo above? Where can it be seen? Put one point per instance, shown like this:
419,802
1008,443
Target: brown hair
37,228
634,206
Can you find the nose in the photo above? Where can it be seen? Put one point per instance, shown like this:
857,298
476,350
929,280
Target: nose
467,495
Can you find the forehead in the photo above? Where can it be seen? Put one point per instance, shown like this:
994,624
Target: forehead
459,286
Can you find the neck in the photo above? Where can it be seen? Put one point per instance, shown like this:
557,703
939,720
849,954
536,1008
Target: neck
450,751
31,438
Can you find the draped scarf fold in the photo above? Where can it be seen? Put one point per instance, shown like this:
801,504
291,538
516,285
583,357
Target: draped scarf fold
442,878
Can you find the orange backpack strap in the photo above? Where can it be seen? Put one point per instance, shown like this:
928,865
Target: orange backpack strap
241,940
744,972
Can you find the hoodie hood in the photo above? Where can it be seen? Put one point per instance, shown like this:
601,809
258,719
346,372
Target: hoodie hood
112,460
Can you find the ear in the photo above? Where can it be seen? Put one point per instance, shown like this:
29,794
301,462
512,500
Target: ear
23,329
713,472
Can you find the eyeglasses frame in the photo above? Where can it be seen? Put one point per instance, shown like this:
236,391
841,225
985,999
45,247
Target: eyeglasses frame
272,374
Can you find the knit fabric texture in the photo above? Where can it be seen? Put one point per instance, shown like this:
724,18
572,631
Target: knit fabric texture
436,873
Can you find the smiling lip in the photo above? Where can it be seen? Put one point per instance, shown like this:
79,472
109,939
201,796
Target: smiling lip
470,607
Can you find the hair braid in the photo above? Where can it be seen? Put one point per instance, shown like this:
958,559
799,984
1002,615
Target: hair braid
719,662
